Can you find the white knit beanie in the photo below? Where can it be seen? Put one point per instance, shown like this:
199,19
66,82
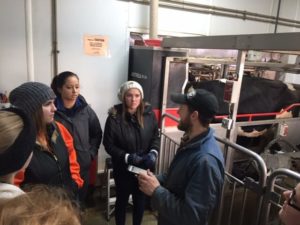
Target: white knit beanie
129,85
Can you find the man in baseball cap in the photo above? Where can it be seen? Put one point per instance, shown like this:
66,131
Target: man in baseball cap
193,184
200,100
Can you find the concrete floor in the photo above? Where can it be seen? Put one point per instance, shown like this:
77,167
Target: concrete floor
96,215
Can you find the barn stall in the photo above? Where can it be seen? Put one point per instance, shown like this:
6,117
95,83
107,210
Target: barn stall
229,58
236,49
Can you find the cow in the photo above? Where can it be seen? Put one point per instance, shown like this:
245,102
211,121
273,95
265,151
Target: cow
258,95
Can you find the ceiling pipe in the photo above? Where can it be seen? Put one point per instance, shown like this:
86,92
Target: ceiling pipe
29,40
220,11
154,4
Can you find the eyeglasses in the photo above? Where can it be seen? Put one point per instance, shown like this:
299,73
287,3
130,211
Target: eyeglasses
292,201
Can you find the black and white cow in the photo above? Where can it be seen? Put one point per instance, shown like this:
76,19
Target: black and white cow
258,95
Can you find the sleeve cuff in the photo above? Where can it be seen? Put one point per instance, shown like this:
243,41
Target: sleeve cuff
155,152
126,158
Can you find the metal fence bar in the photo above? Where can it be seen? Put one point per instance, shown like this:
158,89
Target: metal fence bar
254,186
276,184
168,146
231,204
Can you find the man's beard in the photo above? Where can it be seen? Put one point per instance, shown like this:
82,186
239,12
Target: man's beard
185,124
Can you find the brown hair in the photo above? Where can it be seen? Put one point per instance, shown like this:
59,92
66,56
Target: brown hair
139,112
41,206
41,127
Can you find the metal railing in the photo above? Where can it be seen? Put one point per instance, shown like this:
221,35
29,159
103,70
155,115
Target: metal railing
239,194
279,181
168,146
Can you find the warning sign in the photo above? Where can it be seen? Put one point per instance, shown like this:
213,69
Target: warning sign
96,45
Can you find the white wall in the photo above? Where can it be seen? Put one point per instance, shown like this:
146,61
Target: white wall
172,20
13,64
101,76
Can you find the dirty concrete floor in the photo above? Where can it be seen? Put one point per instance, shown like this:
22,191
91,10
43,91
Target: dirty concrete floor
95,213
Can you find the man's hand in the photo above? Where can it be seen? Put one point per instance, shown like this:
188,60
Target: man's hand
147,182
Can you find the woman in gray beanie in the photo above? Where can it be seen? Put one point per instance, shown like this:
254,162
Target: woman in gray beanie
54,160
131,138
16,145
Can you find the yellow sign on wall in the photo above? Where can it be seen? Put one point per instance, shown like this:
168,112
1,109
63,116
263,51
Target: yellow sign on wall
96,45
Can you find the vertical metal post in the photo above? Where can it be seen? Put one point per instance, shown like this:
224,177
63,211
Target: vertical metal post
29,40
163,108
232,134
54,37
277,17
154,4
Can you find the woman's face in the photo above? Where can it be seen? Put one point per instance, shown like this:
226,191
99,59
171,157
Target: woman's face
132,99
48,111
290,212
71,89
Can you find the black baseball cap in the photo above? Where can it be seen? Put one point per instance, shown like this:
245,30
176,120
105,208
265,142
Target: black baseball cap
201,100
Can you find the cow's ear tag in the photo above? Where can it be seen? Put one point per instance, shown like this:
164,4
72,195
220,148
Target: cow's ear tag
191,94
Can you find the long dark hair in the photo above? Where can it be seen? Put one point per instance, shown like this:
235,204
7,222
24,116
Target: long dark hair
59,80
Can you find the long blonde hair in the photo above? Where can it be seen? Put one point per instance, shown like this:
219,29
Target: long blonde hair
43,205
11,125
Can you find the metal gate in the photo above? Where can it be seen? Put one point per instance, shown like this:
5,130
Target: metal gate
242,196
278,182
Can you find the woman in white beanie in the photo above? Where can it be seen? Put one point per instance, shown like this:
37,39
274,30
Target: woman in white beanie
130,138
54,160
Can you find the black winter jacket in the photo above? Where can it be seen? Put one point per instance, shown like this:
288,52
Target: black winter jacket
85,128
124,135
57,168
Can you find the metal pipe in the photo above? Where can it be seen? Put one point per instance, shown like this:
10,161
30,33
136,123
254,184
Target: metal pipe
153,19
29,40
277,16
54,38
220,11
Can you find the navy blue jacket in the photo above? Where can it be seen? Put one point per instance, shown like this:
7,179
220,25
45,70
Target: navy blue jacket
83,123
193,185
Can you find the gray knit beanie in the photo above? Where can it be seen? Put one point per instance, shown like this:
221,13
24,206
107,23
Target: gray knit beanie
30,96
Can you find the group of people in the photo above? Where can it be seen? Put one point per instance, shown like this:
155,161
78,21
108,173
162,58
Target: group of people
50,136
